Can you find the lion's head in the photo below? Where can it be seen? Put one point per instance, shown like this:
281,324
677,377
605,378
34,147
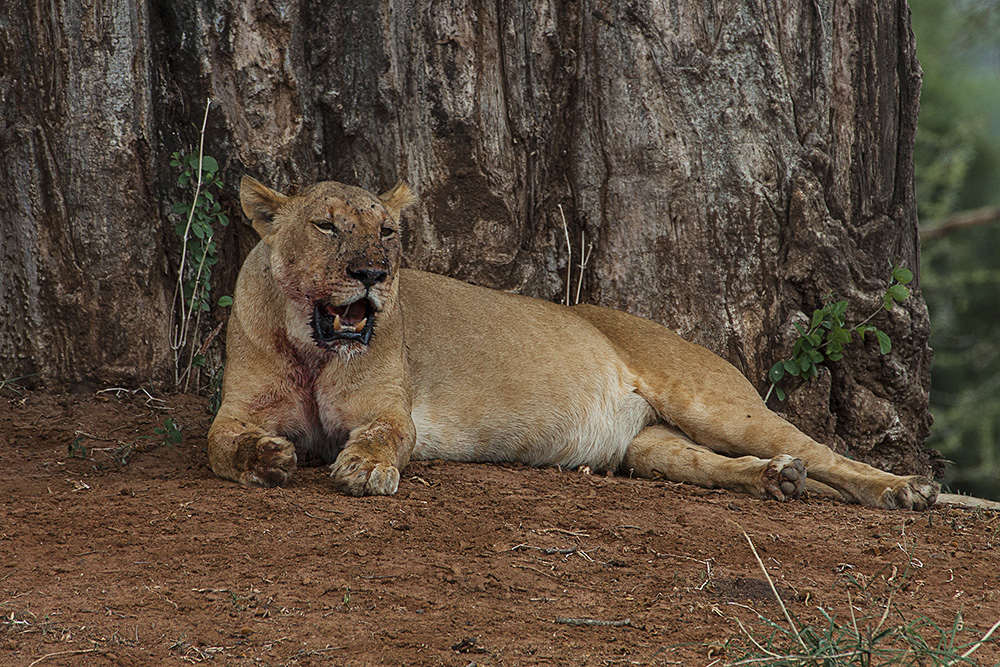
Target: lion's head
334,253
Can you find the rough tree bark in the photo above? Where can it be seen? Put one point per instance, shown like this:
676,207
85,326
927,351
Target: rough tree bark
730,162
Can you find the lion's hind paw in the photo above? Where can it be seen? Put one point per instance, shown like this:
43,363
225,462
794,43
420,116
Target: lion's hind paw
784,478
914,493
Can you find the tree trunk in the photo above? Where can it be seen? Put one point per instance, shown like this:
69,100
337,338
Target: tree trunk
82,286
729,163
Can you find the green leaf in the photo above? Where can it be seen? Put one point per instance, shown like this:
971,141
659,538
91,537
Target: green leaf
209,164
899,293
839,309
805,364
774,375
818,317
802,332
833,355
839,336
815,356
815,339
198,360
779,393
225,301
792,367
902,275
884,342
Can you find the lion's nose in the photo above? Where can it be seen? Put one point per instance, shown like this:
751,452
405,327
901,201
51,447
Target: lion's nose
367,277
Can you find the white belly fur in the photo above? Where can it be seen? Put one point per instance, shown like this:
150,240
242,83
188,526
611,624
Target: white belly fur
594,428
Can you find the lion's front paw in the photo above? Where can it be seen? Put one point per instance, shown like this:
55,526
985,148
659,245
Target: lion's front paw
271,461
784,477
913,493
355,475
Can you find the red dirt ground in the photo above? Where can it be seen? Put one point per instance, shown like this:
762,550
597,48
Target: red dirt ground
157,562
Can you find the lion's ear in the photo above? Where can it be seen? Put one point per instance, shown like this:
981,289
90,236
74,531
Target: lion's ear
397,199
260,203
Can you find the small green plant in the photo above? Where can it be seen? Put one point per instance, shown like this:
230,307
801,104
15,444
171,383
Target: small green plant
169,433
866,640
12,384
828,333
199,253
77,450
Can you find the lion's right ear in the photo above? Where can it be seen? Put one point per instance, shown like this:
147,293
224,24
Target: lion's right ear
260,203
397,199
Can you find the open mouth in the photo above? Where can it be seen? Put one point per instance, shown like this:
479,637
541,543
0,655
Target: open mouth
352,321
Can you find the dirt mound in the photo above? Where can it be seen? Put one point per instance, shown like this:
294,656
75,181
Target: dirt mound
130,552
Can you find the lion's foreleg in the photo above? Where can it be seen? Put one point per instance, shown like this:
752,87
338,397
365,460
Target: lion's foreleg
246,454
374,455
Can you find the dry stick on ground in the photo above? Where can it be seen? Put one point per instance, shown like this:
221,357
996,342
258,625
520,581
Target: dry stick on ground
58,653
592,622
788,617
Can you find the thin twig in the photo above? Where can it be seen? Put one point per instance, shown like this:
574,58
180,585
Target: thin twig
590,622
52,655
571,533
569,254
547,550
583,264
781,603
774,657
180,330
935,229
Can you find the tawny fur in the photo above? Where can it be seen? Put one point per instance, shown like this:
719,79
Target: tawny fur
465,373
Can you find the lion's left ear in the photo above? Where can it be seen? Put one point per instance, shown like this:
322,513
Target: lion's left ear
260,203
397,199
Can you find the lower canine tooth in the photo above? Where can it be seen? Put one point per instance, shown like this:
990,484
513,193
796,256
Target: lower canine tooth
336,323
360,325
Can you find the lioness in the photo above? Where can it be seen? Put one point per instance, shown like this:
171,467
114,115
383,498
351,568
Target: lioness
332,348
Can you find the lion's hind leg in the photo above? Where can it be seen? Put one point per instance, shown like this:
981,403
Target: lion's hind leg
661,451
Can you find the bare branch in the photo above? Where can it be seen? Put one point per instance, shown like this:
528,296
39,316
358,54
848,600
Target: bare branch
977,217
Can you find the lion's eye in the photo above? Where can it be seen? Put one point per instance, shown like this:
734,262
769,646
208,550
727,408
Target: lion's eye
325,226
388,232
